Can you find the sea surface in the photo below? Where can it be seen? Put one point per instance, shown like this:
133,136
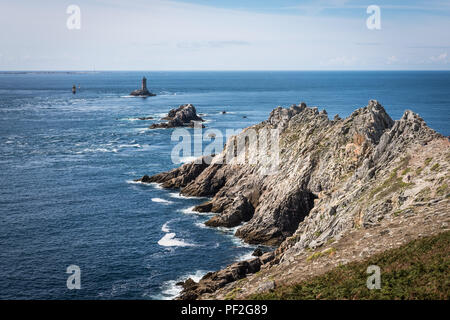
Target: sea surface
67,164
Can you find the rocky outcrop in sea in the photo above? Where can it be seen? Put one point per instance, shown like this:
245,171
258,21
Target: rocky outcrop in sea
184,116
143,91
336,179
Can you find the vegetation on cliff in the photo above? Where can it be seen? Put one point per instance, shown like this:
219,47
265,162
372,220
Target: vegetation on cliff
417,270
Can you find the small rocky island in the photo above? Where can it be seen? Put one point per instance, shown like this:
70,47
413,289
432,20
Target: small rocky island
143,92
184,116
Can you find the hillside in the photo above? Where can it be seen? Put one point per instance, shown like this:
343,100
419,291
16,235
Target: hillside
417,270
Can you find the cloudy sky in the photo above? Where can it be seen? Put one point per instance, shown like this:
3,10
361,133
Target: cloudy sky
224,35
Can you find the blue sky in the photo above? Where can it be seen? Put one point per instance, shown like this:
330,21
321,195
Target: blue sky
224,35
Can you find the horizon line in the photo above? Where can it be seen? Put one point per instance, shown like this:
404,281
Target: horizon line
223,70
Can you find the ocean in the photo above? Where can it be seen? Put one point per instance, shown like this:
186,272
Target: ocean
67,164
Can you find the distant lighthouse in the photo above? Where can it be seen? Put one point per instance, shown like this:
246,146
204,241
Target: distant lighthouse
143,92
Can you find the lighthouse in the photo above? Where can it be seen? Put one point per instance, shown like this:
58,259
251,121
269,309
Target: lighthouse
143,92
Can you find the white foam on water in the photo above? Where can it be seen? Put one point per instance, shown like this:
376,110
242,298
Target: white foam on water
156,185
161,115
165,227
135,145
201,225
245,256
163,201
170,289
227,112
177,195
187,159
151,184
141,130
190,210
239,242
169,240
139,182
96,150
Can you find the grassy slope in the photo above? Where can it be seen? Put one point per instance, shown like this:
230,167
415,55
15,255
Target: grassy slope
417,270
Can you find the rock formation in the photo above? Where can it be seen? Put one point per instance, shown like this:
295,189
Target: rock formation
184,116
335,178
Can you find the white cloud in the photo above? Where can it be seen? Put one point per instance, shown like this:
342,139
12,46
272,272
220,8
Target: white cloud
442,58
170,35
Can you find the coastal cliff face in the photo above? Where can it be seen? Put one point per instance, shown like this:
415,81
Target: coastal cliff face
334,178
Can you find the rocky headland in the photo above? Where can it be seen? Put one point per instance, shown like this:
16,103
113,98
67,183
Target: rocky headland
183,116
345,189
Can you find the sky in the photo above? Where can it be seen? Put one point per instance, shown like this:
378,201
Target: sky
224,35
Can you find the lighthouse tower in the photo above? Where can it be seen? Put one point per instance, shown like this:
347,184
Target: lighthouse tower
143,92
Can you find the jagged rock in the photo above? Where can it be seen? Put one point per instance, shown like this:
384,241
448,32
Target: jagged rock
142,93
267,257
189,284
257,252
204,207
333,176
183,116
215,280
266,286
179,177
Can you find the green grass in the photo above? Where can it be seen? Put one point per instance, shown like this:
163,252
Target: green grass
442,189
417,270
392,184
315,255
232,294
435,167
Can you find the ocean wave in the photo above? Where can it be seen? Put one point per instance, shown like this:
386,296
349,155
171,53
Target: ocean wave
177,195
245,256
151,184
165,227
96,150
135,145
169,240
170,290
228,112
139,182
190,210
201,225
163,201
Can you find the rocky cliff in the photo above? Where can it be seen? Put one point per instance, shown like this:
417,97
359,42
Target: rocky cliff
334,178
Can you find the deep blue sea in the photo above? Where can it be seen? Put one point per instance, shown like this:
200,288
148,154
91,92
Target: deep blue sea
67,163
